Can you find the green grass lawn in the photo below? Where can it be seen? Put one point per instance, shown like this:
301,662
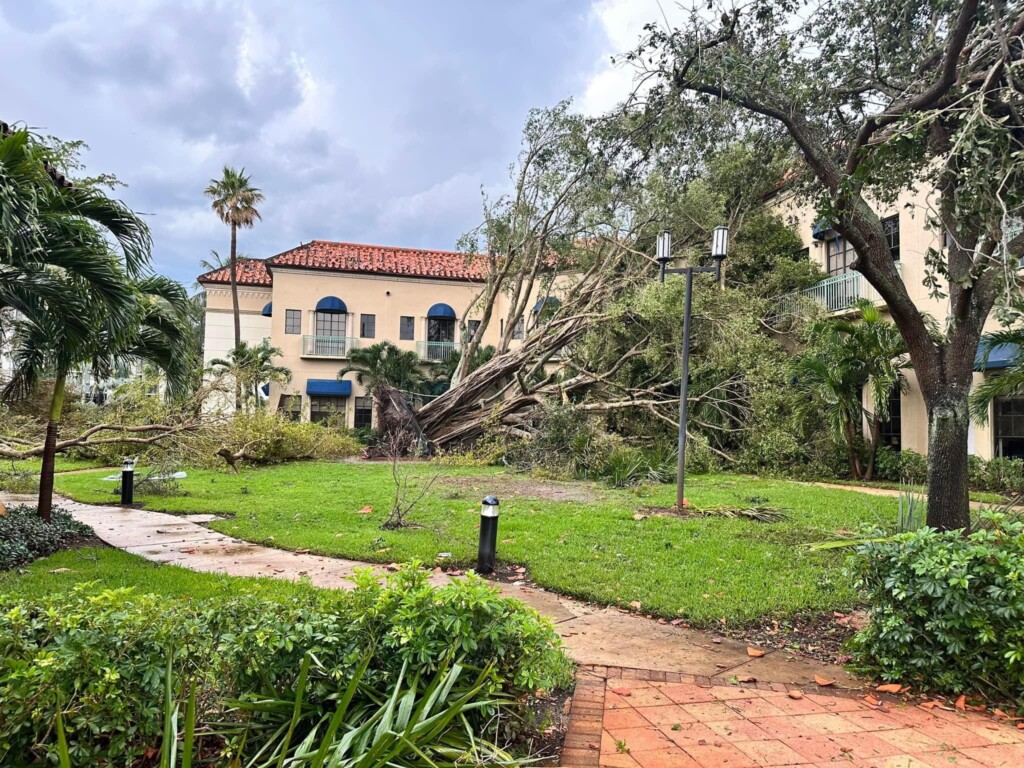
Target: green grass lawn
704,569
105,568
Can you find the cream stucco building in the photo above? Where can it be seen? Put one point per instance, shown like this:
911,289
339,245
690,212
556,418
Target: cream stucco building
318,302
910,237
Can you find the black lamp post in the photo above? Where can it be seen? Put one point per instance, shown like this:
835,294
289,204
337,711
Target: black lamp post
719,248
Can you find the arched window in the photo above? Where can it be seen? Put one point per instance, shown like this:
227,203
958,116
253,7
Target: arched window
330,324
440,332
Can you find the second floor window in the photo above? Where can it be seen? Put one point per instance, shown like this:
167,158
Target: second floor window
330,324
520,330
891,227
292,321
406,328
367,326
839,256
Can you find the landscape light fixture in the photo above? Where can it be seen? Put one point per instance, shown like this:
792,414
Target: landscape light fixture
663,255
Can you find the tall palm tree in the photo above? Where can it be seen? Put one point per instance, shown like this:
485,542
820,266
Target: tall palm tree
234,199
845,356
251,367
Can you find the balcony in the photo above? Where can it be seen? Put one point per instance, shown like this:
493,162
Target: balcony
328,346
437,351
836,294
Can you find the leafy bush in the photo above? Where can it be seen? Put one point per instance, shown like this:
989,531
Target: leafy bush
908,466
947,610
271,438
998,475
105,656
25,536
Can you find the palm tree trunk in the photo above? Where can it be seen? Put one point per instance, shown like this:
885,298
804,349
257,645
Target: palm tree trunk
876,438
234,307
50,447
851,451
234,284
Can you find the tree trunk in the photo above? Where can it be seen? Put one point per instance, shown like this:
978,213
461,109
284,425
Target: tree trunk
876,438
234,308
234,284
50,448
849,434
948,499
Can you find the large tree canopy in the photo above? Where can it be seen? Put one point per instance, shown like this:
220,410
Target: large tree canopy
875,97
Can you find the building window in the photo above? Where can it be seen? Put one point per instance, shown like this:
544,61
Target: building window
472,326
1009,427
520,330
839,256
367,326
364,412
292,321
324,408
330,324
891,227
804,254
406,328
291,406
891,431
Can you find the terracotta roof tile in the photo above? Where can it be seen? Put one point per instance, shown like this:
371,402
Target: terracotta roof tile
382,260
250,272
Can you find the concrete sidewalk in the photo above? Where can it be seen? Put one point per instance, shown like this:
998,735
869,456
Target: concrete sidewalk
592,634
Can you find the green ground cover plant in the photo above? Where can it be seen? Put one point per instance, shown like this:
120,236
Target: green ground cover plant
947,609
577,538
24,536
104,658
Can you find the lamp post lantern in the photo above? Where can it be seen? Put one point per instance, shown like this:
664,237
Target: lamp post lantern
719,249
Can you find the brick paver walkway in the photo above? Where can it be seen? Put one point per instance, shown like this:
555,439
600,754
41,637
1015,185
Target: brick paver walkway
628,718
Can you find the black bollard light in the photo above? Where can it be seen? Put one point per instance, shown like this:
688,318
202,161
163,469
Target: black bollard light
488,535
127,482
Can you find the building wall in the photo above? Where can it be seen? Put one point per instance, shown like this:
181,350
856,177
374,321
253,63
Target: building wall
916,238
387,298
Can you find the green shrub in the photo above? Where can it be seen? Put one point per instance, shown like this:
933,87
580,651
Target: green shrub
271,438
998,475
104,656
25,536
907,466
947,610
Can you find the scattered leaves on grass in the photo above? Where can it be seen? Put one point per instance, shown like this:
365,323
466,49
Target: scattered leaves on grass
823,682
754,653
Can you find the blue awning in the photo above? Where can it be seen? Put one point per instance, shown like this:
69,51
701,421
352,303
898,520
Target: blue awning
549,301
999,356
268,309
441,311
821,229
331,304
265,389
328,387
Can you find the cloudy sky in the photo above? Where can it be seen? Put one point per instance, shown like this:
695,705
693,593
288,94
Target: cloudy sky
374,122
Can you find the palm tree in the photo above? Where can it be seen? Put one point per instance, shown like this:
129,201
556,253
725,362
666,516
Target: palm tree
154,329
69,257
234,200
385,364
252,367
846,356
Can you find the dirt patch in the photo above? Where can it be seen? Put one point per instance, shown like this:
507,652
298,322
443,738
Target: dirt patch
820,636
505,487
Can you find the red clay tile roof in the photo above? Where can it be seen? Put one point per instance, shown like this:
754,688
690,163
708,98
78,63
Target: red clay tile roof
381,260
250,272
